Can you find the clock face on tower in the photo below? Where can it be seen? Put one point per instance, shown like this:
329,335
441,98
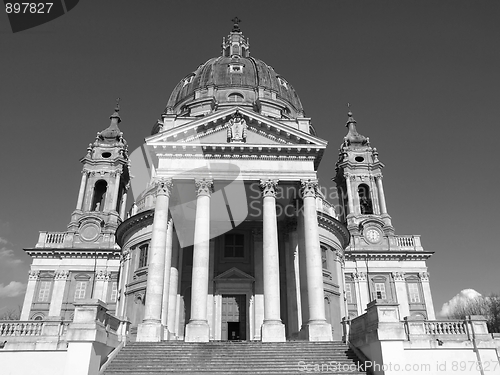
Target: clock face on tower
372,235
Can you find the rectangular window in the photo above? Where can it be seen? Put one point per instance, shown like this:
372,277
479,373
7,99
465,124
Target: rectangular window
348,293
44,291
380,291
323,258
234,246
143,255
413,293
114,292
80,290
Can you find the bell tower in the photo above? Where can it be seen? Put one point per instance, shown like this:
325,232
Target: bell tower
379,265
102,196
359,183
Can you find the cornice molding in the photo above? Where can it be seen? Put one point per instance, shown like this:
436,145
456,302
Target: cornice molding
334,226
387,255
142,219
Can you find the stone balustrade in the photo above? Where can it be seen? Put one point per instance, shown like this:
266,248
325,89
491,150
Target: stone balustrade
11,328
34,334
51,239
326,207
411,242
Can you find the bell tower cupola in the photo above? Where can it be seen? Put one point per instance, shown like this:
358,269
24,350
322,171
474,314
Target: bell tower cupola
105,180
359,182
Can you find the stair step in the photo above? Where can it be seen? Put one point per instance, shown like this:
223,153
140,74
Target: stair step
232,357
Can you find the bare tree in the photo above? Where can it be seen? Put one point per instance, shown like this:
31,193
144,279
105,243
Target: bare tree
11,314
489,307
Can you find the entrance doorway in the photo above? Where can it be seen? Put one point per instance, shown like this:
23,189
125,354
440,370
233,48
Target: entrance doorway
233,317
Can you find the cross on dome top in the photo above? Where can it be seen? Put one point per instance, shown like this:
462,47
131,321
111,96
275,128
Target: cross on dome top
236,25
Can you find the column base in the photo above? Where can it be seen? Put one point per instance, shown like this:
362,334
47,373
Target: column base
197,331
316,331
273,331
150,332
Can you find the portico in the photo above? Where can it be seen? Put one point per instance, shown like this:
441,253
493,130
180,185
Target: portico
262,291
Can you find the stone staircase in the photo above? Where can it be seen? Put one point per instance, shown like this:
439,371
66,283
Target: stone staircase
230,357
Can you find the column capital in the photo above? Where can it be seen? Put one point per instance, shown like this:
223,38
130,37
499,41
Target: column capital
164,186
424,276
33,274
398,276
309,188
116,173
268,187
378,176
103,275
204,186
61,275
359,276
126,256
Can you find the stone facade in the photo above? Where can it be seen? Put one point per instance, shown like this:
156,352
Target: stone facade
231,239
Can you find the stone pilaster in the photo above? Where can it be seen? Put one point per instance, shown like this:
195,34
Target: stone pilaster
30,294
173,287
167,270
401,293
60,279
125,266
258,304
426,289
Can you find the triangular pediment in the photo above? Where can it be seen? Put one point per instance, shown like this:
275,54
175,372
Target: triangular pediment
234,274
212,130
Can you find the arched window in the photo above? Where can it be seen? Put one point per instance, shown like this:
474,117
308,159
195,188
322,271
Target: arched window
235,97
100,189
38,316
365,201
236,49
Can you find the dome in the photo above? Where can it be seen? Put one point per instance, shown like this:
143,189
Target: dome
235,78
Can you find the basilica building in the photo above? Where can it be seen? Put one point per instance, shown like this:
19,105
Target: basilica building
229,236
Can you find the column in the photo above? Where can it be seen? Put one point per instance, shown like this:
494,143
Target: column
179,304
172,291
210,294
56,301
113,200
198,330
30,294
81,193
317,328
350,197
166,276
259,283
123,203
151,328
273,330
125,266
293,304
304,310
401,294
381,195
426,289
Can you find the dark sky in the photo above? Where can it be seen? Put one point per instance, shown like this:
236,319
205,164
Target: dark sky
422,78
